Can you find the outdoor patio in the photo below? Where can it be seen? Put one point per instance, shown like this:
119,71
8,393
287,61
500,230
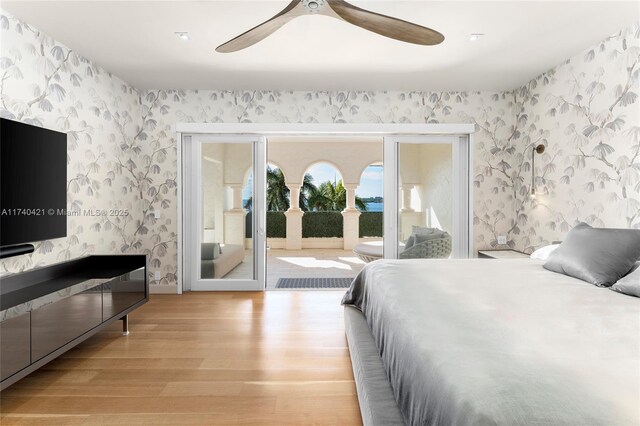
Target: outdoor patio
307,263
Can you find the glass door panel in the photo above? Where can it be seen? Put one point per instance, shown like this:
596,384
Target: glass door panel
225,191
427,197
227,233
425,190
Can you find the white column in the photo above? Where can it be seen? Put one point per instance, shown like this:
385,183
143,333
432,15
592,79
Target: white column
406,197
350,228
234,218
294,196
351,196
234,227
237,197
294,218
350,219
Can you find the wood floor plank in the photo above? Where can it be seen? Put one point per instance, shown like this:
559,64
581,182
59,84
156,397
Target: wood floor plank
92,389
96,363
222,374
307,388
336,418
42,420
276,358
63,405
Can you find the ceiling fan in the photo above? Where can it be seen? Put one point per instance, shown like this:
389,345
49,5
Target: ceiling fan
339,9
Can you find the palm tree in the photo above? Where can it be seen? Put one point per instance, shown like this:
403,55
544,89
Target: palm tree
307,188
331,196
278,193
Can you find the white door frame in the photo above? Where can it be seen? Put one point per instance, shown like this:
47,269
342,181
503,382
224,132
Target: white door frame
192,152
184,131
462,191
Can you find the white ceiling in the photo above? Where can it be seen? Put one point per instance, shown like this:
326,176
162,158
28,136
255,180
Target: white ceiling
135,40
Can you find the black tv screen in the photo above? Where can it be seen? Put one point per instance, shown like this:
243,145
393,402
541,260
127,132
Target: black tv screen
33,183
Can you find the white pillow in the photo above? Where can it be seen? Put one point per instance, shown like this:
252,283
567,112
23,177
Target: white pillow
544,252
630,283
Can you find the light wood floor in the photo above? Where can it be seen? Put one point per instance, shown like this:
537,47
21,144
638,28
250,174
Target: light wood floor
202,358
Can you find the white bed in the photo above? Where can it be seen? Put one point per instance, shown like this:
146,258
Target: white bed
496,342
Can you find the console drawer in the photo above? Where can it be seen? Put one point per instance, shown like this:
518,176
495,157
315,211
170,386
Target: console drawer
122,293
15,345
58,323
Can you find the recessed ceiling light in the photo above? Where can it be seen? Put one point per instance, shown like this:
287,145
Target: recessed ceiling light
183,35
475,37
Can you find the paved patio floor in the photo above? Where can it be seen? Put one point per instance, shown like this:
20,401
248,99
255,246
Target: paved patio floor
326,263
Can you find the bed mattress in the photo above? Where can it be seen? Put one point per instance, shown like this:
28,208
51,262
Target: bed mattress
501,342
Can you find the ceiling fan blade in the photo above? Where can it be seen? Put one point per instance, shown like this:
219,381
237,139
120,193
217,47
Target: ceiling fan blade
386,25
262,31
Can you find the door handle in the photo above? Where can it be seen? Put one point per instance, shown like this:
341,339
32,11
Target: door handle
259,221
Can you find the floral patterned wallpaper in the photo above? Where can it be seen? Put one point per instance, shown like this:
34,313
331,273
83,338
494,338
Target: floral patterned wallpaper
122,150
117,175
587,112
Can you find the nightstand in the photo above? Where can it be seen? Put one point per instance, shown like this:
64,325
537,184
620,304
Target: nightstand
502,254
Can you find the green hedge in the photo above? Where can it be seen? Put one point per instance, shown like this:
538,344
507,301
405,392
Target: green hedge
370,224
321,225
276,225
248,222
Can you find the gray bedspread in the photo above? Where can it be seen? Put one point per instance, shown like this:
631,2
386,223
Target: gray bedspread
501,342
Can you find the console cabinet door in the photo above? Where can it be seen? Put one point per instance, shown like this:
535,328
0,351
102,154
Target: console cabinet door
56,324
15,345
122,293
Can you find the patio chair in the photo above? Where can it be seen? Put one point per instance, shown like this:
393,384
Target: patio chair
438,247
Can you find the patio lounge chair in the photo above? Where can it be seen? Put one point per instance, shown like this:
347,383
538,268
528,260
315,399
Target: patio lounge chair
434,248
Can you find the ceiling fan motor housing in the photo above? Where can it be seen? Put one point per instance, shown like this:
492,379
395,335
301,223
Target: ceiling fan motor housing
313,6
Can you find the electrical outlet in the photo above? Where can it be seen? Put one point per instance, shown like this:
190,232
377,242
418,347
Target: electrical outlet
156,275
502,239
156,214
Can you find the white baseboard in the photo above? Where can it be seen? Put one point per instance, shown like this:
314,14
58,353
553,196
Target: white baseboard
322,243
163,289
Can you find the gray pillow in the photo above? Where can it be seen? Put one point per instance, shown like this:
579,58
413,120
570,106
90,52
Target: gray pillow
630,283
417,231
421,238
210,251
423,230
410,242
596,255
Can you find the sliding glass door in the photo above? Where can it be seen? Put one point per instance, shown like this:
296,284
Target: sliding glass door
427,182
225,213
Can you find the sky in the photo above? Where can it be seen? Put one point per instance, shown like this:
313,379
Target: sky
370,182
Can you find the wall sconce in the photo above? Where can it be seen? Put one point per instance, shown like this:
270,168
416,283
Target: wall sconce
536,150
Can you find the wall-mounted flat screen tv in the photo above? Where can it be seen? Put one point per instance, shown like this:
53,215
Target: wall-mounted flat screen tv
33,183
